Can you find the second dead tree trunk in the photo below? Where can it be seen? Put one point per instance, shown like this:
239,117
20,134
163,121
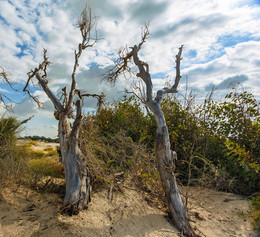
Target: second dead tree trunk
164,155
78,188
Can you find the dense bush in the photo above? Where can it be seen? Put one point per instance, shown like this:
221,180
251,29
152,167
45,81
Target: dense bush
127,116
238,120
217,142
111,153
9,127
41,138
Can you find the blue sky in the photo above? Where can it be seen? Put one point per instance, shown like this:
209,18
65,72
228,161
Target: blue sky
221,47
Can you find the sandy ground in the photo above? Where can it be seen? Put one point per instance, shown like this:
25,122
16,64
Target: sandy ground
24,212
40,145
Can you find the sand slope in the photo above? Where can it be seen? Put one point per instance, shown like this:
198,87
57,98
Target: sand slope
24,212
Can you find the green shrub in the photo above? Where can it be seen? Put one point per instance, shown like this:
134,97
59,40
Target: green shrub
9,161
48,149
216,137
34,143
217,142
237,122
9,128
127,116
52,153
46,167
108,155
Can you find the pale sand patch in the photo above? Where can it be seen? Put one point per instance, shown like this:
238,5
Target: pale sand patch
1,233
213,213
40,145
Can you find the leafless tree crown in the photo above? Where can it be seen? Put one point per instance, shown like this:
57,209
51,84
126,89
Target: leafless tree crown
87,24
126,57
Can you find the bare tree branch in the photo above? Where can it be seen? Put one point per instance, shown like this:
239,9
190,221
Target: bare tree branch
4,75
135,94
125,57
100,98
3,97
86,24
173,89
143,74
24,121
41,74
5,105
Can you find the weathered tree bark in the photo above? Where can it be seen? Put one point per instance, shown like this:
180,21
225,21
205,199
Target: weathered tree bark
165,159
164,155
78,188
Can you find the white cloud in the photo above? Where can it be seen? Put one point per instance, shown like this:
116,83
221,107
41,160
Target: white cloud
240,59
221,41
25,108
4,90
41,125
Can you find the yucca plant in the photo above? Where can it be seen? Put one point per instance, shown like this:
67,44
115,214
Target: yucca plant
9,128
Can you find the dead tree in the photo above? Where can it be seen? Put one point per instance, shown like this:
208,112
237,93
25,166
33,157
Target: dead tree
78,188
164,155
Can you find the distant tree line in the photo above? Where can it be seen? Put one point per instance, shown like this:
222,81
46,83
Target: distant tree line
41,138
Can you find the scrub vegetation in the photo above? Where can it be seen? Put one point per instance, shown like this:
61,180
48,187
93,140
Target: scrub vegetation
217,145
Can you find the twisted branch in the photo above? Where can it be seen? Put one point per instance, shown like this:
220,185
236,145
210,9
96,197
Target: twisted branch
41,74
86,23
4,75
166,90
125,57
100,98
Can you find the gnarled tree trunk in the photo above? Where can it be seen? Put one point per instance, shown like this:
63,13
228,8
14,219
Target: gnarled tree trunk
78,188
165,159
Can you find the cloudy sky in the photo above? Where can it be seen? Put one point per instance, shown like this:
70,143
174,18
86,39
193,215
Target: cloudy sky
221,47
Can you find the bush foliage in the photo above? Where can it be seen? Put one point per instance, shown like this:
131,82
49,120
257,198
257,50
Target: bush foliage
217,142
217,145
